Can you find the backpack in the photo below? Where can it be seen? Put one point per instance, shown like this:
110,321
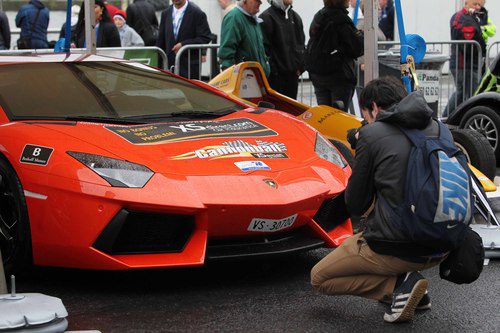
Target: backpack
322,55
438,201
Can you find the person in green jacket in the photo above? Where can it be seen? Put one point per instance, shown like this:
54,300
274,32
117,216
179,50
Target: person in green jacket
241,36
488,28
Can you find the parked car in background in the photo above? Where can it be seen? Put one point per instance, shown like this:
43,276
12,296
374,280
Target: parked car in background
481,112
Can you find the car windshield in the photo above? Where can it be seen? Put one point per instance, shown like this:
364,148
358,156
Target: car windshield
107,90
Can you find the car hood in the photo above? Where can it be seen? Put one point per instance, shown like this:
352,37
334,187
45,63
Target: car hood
234,144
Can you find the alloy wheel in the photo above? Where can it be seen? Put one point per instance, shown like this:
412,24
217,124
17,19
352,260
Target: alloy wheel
484,125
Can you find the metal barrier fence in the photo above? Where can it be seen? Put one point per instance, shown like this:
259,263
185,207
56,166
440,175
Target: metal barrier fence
441,82
149,55
202,58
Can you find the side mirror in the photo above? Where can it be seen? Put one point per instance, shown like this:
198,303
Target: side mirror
267,105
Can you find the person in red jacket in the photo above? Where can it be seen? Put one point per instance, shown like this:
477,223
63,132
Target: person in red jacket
466,60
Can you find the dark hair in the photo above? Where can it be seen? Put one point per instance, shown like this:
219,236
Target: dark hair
385,92
334,3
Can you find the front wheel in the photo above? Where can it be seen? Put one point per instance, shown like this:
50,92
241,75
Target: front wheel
477,150
485,121
15,237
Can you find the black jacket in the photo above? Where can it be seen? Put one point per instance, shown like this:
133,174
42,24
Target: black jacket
4,32
194,29
379,169
141,16
465,26
284,40
350,43
107,35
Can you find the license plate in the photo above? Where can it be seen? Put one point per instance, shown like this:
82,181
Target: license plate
270,225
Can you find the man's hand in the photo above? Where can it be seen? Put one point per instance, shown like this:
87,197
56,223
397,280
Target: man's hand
177,47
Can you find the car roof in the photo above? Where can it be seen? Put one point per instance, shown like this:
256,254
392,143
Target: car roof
16,58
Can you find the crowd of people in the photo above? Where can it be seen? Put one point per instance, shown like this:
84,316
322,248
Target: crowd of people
275,39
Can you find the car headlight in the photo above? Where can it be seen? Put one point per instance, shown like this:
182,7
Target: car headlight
117,173
326,151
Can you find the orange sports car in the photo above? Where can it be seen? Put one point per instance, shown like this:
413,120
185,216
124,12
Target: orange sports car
109,164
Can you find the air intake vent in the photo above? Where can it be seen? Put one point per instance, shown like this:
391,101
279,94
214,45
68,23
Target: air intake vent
138,232
332,213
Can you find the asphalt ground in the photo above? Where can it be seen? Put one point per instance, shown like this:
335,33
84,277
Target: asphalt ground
272,295
264,295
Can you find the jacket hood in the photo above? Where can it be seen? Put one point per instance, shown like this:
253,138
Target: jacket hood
411,112
37,3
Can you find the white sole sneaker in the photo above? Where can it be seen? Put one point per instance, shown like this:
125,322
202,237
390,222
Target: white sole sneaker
410,302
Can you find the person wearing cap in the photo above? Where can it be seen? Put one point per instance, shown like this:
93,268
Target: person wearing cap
128,36
107,34
183,23
241,36
284,42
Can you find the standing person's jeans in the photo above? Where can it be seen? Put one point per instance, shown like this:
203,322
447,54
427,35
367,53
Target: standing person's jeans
466,82
329,92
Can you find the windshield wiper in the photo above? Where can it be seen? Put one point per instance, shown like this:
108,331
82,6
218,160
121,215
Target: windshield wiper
104,119
183,114
200,114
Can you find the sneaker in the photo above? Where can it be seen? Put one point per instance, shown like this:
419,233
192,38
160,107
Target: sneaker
424,304
406,298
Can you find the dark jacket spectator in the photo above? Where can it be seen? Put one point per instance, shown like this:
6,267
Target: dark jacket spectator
4,32
25,19
337,79
465,26
284,42
142,18
190,27
386,18
464,62
106,31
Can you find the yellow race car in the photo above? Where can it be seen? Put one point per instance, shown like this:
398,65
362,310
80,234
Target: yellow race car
246,82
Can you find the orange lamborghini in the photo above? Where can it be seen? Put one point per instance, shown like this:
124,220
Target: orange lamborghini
109,164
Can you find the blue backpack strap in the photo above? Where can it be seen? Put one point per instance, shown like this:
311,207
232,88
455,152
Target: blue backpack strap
415,136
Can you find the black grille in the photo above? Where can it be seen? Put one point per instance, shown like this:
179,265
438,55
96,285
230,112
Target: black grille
139,232
295,240
333,212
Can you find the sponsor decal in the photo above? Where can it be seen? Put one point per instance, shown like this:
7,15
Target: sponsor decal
307,115
33,154
238,148
184,131
326,116
252,165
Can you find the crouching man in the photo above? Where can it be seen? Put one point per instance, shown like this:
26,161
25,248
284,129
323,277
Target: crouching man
380,263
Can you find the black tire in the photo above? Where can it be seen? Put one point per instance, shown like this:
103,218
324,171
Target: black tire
478,151
15,236
486,121
344,150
